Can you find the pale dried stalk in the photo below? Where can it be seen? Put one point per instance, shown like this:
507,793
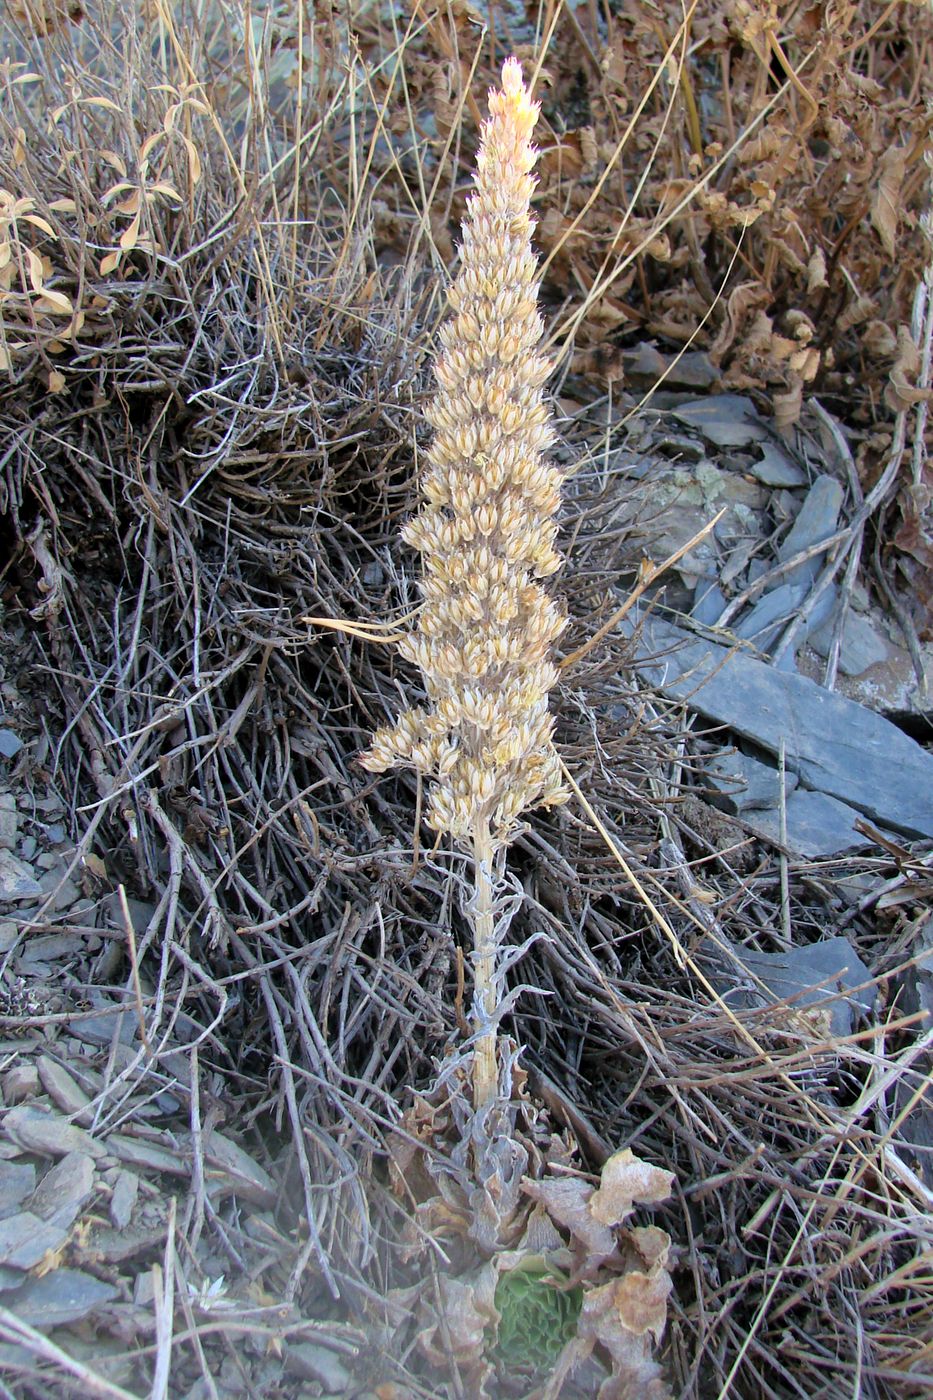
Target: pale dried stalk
486,535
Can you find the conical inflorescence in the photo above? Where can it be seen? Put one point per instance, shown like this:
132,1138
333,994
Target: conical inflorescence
486,529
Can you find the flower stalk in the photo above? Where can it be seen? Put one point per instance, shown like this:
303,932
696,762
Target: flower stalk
486,533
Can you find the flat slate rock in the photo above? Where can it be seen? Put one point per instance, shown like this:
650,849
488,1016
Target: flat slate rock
827,977
17,1181
25,1240
709,602
230,1169
10,743
60,1297
817,825
64,1091
9,821
736,782
728,420
100,1028
777,469
152,1156
763,624
48,1135
816,521
862,644
16,878
123,1199
834,745
64,1189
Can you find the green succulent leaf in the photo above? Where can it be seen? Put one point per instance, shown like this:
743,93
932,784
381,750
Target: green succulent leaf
537,1317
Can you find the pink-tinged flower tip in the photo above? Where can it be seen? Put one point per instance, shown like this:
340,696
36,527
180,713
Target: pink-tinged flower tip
512,81
515,92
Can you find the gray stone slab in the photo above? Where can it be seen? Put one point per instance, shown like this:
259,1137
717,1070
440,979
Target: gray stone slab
10,743
764,623
51,947
816,521
863,644
58,890
776,468
64,1189
735,782
47,1134
822,610
827,977
17,1181
645,366
123,1199
25,1239
709,602
834,745
817,825
728,420
63,1089
9,821
100,1028
60,1297
17,880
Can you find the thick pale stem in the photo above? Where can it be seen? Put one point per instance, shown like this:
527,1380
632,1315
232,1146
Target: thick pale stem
485,1068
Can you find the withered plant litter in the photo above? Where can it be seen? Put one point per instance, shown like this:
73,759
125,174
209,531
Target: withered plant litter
225,236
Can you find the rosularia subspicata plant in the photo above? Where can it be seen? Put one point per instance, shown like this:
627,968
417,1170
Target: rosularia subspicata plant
486,533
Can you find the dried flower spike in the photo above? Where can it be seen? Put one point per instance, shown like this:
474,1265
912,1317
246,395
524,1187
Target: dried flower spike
486,536
486,530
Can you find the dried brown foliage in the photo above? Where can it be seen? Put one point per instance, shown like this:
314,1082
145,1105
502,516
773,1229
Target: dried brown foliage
744,180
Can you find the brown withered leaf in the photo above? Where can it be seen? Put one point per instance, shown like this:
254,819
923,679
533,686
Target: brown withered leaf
914,538
911,537
636,1303
887,197
625,1181
787,405
592,1215
651,1245
541,1236
46,17
567,1200
460,1310
902,391
816,270
625,1317
743,301
878,339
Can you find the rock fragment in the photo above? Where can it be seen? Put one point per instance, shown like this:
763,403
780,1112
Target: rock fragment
48,1135
9,821
64,1189
60,1297
833,744
816,825
736,782
816,521
17,880
25,1240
